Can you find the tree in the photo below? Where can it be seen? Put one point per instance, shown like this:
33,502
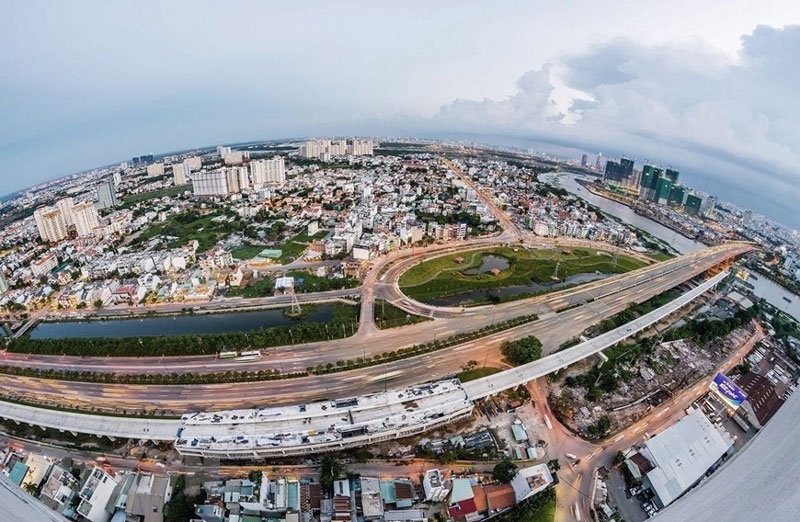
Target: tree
98,303
31,488
554,465
330,471
522,351
504,471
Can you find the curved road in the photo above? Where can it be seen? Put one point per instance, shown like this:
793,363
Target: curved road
552,328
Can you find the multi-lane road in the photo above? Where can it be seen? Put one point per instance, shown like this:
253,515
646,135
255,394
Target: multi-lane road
552,328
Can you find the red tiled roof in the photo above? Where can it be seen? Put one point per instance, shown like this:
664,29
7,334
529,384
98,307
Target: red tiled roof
500,496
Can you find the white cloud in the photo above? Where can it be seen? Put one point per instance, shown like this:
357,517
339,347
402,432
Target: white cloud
731,122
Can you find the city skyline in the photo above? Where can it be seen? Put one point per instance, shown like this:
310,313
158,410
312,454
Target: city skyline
706,90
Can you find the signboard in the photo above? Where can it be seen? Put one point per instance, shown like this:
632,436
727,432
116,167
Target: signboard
727,390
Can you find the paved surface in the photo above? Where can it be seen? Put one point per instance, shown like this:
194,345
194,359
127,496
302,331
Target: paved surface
522,374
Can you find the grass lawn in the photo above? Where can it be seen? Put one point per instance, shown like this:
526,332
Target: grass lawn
476,373
546,513
312,283
389,316
261,288
659,256
247,251
173,191
443,276
294,248
187,226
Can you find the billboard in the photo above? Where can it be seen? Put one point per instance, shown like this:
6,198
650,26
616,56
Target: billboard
727,390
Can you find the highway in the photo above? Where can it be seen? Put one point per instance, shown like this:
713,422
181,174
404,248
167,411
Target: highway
597,300
179,399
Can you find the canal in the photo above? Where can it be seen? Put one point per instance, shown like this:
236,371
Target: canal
199,323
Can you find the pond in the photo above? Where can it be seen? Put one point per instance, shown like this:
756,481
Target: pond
472,296
489,263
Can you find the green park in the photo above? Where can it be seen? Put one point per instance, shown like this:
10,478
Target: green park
502,267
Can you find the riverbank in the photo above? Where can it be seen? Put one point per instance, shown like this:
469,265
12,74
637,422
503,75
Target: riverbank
632,204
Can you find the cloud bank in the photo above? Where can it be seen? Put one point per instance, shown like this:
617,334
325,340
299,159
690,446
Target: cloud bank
731,126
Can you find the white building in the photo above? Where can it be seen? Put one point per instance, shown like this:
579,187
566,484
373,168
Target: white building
361,148
84,216
210,183
156,169
65,206
194,163
530,481
95,495
268,172
180,173
106,195
44,264
681,455
435,486
50,224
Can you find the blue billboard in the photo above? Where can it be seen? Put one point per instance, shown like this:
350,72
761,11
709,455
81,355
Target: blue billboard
728,391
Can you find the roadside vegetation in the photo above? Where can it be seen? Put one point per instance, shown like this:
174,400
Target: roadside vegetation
445,276
522,351
389,316
472,371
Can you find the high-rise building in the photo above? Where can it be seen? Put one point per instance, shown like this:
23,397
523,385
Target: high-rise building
361,148
106,195
268,171
672,175
619,172
50,224
677,195
84,216
210,183
156,169
648,184
663,191
747,217
598,161
180,173
693,204
584,160
117,178
65,206
244,178
194,163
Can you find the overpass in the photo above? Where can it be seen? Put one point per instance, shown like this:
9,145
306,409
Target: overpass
492,384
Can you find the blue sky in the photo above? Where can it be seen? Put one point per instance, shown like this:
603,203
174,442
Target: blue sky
707,88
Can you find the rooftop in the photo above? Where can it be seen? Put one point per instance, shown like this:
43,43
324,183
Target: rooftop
682,454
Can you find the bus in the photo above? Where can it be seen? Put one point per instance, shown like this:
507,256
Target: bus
249,355
228,354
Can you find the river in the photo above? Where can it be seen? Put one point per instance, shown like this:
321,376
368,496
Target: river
775,294
682,244
200,323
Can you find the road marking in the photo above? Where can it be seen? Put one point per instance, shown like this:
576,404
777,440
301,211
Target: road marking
618,438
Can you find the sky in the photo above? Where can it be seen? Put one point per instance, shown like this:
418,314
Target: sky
706,87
